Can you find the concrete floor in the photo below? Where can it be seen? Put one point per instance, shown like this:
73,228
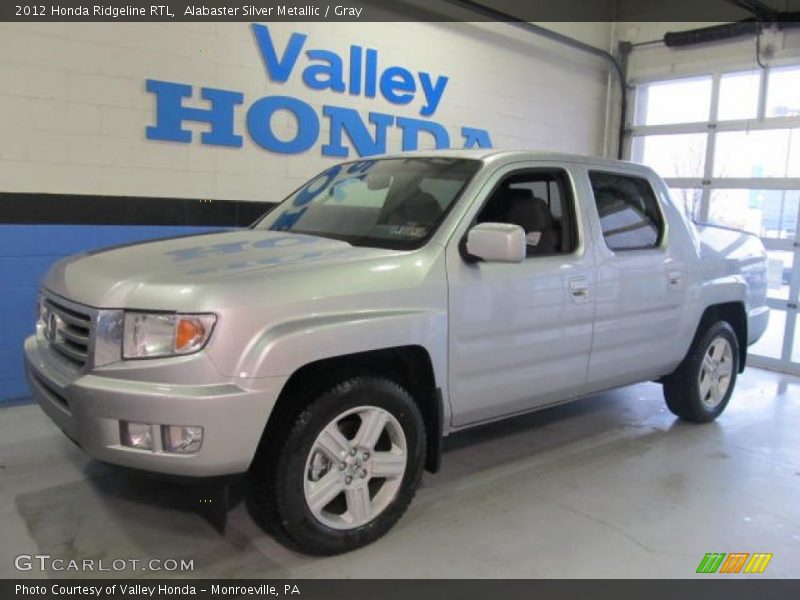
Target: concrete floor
610,486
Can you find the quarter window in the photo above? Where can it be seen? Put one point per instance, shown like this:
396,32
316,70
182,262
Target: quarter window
628,210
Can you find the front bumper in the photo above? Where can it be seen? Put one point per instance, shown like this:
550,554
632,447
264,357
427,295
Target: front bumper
89,407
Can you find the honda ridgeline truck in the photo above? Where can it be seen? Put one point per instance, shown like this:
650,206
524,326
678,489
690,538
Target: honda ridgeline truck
328,349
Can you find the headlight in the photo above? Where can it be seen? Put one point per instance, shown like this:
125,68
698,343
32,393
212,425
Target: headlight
41,315
150,335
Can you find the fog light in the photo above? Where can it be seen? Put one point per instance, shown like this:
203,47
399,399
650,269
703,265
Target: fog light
136,435
183,439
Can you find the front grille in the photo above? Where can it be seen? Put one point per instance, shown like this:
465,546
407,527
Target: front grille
68,330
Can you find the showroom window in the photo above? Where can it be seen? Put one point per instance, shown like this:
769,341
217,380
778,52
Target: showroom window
728,145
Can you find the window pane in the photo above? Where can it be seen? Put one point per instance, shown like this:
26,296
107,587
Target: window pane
796,342
681,155
738,96
767,213
541,204
628,210
778,212
771,343
734,209
688,201
768,153
779,273
678,101
783,92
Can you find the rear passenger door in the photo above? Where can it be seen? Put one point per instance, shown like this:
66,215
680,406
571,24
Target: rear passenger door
641,282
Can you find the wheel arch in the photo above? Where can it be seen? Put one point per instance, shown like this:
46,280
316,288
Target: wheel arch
732,313
409,366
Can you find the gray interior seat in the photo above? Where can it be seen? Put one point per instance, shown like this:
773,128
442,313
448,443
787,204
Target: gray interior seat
419,209
533,215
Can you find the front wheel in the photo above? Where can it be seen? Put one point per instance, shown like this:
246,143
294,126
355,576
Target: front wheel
348,468
700,388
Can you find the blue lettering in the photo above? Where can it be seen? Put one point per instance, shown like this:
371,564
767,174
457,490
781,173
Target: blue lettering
412,128
287,220
329,76
433,93
315,186
476,138
398,79
284,241
348,120
170,114
361,166
278,69
201,251
371,73
259,124
355,70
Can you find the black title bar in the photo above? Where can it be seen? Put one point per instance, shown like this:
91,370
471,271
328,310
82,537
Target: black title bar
380,10
732,588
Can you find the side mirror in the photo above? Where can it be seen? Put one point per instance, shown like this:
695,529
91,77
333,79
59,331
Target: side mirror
497,242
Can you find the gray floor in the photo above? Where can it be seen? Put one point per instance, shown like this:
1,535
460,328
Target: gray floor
611,486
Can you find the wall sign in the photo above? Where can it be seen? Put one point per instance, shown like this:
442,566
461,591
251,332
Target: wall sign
321,70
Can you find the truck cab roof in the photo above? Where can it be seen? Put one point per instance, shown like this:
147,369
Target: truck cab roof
504,156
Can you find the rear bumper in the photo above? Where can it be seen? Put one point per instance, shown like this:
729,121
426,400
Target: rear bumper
88,409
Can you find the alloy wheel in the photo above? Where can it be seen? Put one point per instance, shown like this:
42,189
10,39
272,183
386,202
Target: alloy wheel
355,467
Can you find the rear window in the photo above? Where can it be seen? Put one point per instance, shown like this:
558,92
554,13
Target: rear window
628,211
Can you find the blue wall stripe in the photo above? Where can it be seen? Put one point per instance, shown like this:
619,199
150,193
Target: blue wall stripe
26,252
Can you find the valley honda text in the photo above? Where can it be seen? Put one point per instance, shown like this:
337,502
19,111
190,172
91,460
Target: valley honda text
148,590
359,71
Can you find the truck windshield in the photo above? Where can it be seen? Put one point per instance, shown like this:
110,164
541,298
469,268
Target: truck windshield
392,203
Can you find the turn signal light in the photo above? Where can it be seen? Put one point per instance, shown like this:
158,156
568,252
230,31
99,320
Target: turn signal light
190,332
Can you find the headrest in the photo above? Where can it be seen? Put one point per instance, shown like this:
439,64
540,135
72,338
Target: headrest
527,211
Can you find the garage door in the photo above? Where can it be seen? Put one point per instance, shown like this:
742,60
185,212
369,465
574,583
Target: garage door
728,145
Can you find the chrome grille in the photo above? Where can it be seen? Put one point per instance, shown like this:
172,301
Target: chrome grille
68,330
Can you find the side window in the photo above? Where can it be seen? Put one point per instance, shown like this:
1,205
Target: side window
538,201
628,210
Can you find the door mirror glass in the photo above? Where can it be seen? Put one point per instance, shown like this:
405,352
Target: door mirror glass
497,242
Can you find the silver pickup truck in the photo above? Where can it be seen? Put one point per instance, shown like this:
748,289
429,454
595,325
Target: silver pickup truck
385,304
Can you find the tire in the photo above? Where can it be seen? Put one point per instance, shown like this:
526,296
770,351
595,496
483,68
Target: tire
319,487
700,388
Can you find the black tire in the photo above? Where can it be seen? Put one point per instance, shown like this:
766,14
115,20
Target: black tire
279,473
683,390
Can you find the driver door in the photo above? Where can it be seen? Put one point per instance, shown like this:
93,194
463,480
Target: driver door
520,333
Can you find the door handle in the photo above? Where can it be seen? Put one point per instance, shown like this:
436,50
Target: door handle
674,278
579,288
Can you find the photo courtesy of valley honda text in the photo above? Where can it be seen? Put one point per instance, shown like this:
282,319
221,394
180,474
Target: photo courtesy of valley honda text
400,299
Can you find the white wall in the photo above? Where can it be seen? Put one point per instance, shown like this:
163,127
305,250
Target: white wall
598,34
657,61
73,105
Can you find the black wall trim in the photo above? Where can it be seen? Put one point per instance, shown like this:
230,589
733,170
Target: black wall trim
73,209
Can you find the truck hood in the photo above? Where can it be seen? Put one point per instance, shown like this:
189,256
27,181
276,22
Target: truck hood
171,274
